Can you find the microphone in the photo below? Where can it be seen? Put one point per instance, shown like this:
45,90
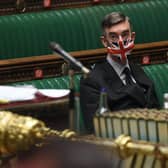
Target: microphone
58,49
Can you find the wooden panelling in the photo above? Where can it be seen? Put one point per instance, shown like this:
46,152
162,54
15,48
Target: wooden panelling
22,6
29,68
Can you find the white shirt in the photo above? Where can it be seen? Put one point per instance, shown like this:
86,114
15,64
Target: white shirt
119,68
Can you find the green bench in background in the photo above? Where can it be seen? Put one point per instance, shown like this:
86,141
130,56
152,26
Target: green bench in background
29,34
158,73
26,35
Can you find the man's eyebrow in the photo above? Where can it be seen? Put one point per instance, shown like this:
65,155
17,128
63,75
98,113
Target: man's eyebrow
112,33
126,31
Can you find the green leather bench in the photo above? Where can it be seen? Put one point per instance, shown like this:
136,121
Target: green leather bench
29,34
158,73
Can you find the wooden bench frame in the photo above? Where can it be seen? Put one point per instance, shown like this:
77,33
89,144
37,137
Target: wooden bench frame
37,67
24,7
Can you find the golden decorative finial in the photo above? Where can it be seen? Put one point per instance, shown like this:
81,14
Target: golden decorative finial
128,147
19,132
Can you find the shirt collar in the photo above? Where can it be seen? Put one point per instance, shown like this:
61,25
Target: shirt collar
116,65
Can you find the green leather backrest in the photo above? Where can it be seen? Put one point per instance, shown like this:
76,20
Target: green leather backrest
29,34
52,83
158,73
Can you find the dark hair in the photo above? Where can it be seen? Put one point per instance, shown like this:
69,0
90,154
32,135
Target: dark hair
113,19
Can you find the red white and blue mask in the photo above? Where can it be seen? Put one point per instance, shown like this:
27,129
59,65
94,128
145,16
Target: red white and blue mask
121,49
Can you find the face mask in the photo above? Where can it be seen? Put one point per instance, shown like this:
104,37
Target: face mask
121,48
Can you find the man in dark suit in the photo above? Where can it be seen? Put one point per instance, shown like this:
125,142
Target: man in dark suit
126,84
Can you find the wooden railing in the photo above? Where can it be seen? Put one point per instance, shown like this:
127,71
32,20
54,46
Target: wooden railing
36,67
22,6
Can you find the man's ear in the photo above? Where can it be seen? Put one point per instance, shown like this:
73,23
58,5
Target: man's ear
133,36
104,41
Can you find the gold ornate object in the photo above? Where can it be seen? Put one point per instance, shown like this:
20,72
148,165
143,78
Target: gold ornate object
127,147
19,132
122,142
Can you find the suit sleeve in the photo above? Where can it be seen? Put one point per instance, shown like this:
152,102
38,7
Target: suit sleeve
89,96
153,101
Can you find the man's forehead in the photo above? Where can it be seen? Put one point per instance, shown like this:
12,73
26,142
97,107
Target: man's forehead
115,33
119,28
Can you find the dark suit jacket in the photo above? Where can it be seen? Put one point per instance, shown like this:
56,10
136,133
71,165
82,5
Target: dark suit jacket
120,96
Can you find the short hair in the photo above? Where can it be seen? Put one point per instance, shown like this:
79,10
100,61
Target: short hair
113,19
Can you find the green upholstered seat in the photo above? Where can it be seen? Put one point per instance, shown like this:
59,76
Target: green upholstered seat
51,83
158,73
29,34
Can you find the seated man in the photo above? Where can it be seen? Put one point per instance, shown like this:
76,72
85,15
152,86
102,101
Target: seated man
126,84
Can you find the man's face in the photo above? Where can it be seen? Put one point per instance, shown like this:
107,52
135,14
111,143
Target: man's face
121,30
119,40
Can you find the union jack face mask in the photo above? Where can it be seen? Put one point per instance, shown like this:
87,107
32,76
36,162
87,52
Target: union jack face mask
121,48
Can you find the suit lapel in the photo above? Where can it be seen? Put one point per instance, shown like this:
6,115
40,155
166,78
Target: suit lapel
112,81
140,76
143,81
117,90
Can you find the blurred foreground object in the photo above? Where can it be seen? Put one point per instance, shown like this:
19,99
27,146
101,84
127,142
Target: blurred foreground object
20,5
141,124
19,132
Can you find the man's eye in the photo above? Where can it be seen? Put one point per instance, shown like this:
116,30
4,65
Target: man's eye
125,35
114,38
